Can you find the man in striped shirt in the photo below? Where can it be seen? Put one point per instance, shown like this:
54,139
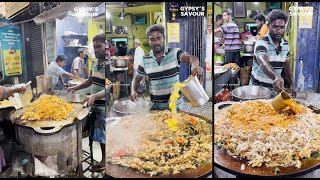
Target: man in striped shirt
271,55
161,66
96,100
231,38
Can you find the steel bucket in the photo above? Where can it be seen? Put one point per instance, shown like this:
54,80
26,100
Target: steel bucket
45,84
194,92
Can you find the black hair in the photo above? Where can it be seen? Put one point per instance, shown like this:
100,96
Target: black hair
155,27
267,11
260,17
228,11
100,37
61,58
218,17
80,50
277,14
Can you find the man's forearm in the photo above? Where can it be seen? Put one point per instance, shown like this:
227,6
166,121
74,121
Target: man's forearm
85,84
193,61
61,79
266,67
217,30
288,72
75,72
100,95
9,91
136,83
72,76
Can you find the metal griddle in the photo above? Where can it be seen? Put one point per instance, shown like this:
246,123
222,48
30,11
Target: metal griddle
117,171
232,165
50,126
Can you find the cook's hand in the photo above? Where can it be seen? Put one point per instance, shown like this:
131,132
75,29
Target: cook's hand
71,89
22,89
197,70
90,99
134,96
278,84
294,92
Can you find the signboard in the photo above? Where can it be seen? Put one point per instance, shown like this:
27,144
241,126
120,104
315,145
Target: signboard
173,32
11,49
14,7
305,17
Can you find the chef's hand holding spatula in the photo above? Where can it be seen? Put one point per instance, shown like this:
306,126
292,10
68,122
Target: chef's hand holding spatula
93,97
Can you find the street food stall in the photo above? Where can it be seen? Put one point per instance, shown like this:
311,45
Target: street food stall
136,152
260,131
48,125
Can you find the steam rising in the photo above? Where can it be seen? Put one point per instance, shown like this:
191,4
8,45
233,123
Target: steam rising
128,133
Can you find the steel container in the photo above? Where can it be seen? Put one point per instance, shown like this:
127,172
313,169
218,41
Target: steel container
45,84
194,92
120,63
248,47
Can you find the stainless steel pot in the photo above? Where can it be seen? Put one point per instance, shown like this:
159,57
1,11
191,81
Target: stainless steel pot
120,63
248,47
245,93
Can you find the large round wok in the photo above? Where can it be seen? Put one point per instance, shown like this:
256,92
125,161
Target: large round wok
51,126
232,165
117,171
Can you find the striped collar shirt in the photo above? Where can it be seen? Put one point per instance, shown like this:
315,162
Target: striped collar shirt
277,58
231,36
162,76
98,84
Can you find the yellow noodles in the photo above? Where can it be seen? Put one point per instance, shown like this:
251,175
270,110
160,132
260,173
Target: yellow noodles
48,107
163,151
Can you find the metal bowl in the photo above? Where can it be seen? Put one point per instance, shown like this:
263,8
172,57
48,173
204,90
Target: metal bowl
245,93
127,107
220,69
74,82
77,98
